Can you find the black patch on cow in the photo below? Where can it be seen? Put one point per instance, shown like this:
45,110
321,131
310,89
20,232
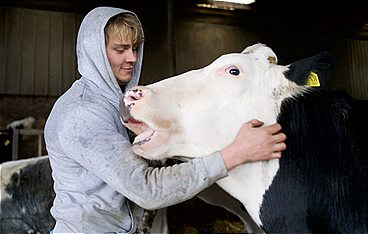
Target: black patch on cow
32,195
321,185
320,64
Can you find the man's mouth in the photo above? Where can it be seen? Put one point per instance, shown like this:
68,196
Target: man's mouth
127,69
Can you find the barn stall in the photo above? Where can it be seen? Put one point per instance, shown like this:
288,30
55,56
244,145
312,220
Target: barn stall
37,62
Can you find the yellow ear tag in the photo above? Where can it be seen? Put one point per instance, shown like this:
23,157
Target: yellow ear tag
313,80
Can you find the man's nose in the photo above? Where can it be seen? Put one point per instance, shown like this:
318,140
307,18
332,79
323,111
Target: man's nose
131,56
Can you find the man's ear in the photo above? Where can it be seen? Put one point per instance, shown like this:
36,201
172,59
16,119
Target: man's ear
313,71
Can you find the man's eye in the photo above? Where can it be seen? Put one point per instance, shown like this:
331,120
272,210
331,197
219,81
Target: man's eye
232,70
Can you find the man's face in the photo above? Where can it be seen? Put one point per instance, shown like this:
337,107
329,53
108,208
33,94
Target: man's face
122,56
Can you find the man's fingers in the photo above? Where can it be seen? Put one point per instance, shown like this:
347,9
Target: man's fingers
255,123
279,147
279,137
276,155
274,128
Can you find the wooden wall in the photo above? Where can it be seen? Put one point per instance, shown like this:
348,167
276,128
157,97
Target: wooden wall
357,60
38,51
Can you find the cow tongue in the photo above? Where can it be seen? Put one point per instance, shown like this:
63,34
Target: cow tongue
144,137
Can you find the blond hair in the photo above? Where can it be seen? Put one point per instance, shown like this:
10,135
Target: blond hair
125,24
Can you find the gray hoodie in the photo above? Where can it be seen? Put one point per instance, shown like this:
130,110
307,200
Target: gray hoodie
100,184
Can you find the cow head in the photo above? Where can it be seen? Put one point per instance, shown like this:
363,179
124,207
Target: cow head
200,111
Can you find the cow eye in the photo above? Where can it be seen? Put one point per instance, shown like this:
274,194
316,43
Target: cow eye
233,71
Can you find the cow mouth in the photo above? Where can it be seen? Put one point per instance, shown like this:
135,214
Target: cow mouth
144,133
143,138
148,137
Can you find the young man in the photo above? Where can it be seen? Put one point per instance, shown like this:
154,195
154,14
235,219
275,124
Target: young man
100,184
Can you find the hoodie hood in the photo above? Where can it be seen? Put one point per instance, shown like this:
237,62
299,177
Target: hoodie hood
93,64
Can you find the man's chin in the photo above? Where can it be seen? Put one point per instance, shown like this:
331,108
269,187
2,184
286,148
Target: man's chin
123,81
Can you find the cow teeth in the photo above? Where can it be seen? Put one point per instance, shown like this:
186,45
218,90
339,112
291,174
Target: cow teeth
144,137
142,142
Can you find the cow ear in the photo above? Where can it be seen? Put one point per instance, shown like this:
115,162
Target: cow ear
313,71
262,51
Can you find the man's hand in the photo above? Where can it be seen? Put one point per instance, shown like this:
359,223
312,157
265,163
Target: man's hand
254,143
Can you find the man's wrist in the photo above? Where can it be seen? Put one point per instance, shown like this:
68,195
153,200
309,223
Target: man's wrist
229,156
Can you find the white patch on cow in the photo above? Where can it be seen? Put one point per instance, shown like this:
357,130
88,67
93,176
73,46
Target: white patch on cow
248,183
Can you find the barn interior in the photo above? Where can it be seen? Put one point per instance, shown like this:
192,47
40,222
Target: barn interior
38,63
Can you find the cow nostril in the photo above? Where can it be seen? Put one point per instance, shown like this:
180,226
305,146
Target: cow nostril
134,95
134,98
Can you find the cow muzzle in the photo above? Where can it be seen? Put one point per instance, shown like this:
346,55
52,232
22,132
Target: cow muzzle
150,138
140,128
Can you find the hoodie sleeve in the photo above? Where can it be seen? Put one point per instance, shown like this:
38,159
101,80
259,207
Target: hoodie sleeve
91,138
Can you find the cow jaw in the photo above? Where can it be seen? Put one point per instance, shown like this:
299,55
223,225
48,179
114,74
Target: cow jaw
151,140
150,143
143,131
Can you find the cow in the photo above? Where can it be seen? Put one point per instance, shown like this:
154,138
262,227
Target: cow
26,196
25,123
319,185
